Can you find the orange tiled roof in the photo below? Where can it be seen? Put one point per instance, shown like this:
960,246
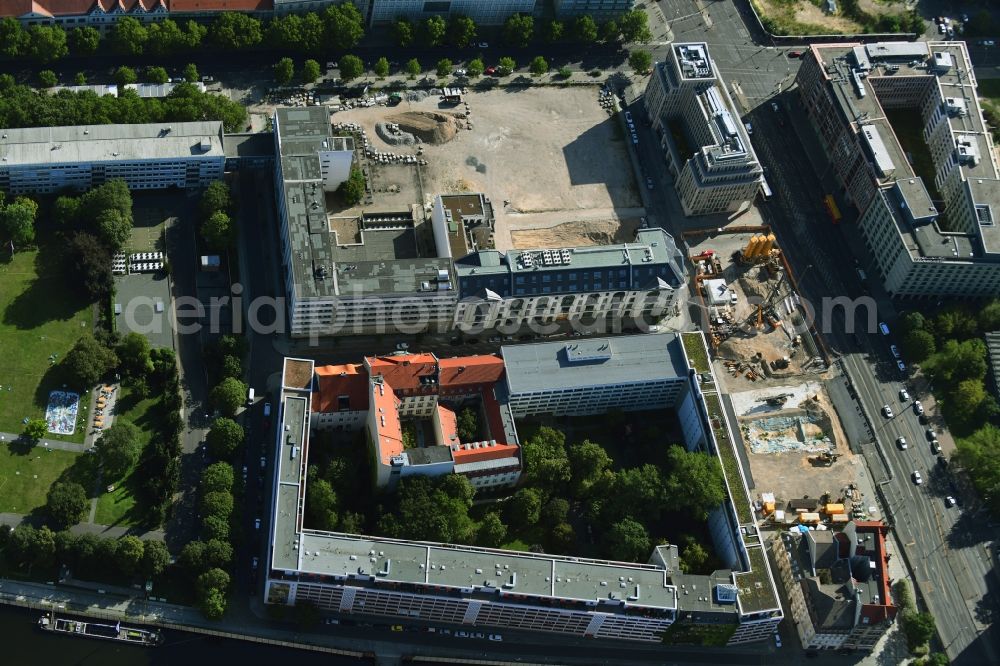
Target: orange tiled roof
465,456
15,8
390,431
403,371
449,424
465,370
337,380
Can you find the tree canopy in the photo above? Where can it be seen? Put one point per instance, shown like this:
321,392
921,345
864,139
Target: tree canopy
228,395
224,437
518,30
88,361
627,540
118,448
66,503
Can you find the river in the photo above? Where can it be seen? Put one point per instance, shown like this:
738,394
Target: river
23,644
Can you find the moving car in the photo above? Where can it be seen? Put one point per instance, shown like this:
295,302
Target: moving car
649,183
887,411
777,640
402,346
628,117
917,479
263,462
901,443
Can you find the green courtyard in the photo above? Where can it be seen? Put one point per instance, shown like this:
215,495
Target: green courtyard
40,320
26,474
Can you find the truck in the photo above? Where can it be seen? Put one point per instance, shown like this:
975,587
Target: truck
831,208
250,396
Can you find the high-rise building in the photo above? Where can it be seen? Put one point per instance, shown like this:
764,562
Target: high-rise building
928,212
704,144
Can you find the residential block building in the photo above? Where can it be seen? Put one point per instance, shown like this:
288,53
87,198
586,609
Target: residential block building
838,585
102,14
932,233
597,9
705,145
146,156
373,577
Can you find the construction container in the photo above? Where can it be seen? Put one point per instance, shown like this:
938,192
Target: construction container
767,244
833,509
779,517
809,518
753,247
768,508
839,518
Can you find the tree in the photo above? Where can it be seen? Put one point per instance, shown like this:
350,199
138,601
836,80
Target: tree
118,449
506,66
47,78
46,43
219,504
640,61
284,32
695,480
524,507
492,532
353,189
476,67
351,67
128,554
125,75
538,66
919,628
80,79
344,26
216,197
957,361
133,352
228,395
518,30
218,231
381,67
190,73
565,72
212,603
192,557
433,30
321,503
584,29
412,68
214,527
224,437
284,71
156,75
232,366
634,26
35,429
545,462
561,538
468,425
402,32
88,361
218,477
955,323
444,67
461,31
310,71
693,556
554,31
609,32
111,195
627,540
962,404
155,558
590,464
979,454
980,24
128,36
66,503
17,221
90,264
554,511
918,346
114,228
213,579
636,489
233,30
13,39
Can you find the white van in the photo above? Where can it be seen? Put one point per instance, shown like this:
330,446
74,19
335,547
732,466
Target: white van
250,396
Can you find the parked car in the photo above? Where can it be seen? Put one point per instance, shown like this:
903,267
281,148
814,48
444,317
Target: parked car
887,411
882,327
903,395
649,183
949,501
256,523
267,409
895,351
930,434
777,640
935,447
484,45
918,409
901,366
917,479
901,443
460,72
263,462
496,637
491,70
775,107
988,42
749,128
795,54
628,117
402,346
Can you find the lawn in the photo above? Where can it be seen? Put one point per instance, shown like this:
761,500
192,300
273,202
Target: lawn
118,507
989,88
26,474
39,317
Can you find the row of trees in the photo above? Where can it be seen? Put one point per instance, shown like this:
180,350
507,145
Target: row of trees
337,27
216,209
950,348
207,559
918,628
87,556
519,30
22,106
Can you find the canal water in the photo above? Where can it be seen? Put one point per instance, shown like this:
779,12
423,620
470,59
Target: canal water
22,643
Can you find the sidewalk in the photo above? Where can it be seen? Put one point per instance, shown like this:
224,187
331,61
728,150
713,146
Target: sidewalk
108,531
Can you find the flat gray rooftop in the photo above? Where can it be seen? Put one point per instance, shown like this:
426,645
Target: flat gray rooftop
110,143
593,362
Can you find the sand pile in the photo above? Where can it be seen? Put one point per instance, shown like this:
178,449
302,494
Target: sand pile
575,234
428,126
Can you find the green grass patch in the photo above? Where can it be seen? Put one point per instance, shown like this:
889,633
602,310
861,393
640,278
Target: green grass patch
990,88
39,317
26,474
708,635
118,507
516,544
730,465
694,348
756,593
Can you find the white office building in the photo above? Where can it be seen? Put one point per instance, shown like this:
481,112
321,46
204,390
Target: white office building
717,170
149,156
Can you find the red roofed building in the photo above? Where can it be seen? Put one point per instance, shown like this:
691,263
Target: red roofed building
102,14
838,585
410,404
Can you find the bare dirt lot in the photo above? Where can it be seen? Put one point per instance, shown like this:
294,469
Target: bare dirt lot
545,150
